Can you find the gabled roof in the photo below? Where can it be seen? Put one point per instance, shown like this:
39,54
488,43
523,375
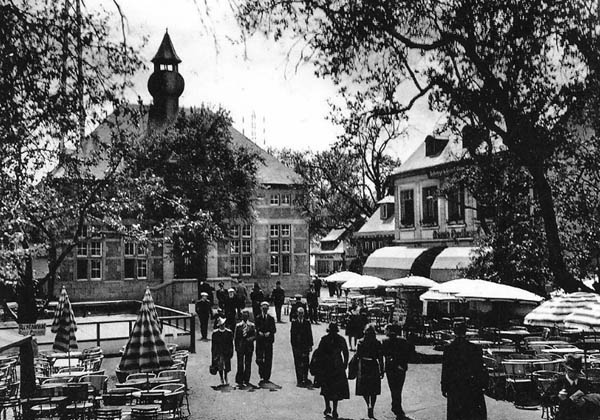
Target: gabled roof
333,235
166,52
376,226
270,172
453,152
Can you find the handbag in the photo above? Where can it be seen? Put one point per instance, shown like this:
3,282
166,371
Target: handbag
353,367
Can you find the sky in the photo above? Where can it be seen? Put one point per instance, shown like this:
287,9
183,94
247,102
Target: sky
290,103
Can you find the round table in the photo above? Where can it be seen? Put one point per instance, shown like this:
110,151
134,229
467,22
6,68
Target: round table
563,351
138,394
144,383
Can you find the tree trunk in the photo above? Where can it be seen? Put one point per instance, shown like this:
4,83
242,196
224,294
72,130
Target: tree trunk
27,312
201,264
562,277
51,272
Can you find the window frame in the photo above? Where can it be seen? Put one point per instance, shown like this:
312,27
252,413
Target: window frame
432,204
403,207
274,199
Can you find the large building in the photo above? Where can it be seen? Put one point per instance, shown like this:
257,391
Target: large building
433,231
275,246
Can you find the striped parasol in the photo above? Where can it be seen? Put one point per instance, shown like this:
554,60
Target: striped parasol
586,319
146,349
554,312
150,302
64,325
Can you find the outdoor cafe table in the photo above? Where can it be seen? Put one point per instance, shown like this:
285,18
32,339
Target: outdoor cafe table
61,355
138,394
563,351
66,362
73,375
144,383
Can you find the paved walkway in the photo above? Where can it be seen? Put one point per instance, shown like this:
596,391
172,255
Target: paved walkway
422,397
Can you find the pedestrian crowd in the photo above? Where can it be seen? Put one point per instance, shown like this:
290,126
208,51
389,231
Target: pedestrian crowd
236,332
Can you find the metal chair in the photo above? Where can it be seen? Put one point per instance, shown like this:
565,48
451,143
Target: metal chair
140,376
496,378
170,408
138,413
79,407
181,376
519,384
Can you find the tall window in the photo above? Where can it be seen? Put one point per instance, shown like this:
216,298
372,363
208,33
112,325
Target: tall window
240,249
286,199
430,206
456,205
136,261
407,208
274,199
280,249
89,260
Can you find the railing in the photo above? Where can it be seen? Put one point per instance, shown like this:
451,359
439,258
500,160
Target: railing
112,342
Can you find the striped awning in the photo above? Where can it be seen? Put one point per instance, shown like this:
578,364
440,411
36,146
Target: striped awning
554,312
586,319
146,349
64,325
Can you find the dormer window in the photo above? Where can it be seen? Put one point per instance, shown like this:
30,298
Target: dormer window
434,146
386,211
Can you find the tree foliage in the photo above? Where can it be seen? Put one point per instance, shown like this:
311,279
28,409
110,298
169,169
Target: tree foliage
60,69
201,181
514,71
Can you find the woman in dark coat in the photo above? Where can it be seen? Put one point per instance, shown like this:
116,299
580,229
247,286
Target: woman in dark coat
370,368
333,354
222,350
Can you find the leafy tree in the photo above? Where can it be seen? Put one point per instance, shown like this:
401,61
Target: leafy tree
60,69
333,193
514,71
202,183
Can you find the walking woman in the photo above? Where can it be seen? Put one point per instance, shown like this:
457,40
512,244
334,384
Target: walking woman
333,354
222,350
370,368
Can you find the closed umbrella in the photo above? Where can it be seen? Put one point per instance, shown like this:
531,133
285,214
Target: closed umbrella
151,307
64,325
342,277
364,282
554,312
146,350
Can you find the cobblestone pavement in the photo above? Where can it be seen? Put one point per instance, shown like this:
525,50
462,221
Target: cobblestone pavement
422,398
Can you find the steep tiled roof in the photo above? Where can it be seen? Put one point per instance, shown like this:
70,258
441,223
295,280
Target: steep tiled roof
451,153
375,225
166,52
333,235
270,172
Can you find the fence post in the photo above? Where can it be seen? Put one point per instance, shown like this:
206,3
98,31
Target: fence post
192,334
98,334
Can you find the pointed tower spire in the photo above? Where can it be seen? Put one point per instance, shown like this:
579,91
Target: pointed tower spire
165,85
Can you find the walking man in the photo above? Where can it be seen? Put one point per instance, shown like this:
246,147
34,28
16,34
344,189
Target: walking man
312,300
221,295
241,293
230,309
317,283
278,296
265,336
396,353
245,333
302,343
297,304
208,289
464,378
204,311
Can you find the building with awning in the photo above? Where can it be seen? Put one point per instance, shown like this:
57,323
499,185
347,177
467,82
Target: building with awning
438,263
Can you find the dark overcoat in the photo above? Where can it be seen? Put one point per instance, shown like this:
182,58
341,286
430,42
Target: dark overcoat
464,380
333,353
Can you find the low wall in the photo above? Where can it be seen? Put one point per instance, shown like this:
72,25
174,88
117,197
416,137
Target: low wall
104,290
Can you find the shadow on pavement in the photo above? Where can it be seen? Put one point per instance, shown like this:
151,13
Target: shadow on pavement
222,388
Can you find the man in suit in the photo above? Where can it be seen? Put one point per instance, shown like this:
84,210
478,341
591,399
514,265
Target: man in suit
278,296
312,301
265,336
222,295
230,308
302,343
297,304
464,378
569,392
245,334
396,352
241,293
204,311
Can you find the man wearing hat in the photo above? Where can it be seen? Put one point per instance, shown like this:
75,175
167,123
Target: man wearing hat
244,336
568,390
396,352
230,308
464,378
204,311
265,336
302,342
297,304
